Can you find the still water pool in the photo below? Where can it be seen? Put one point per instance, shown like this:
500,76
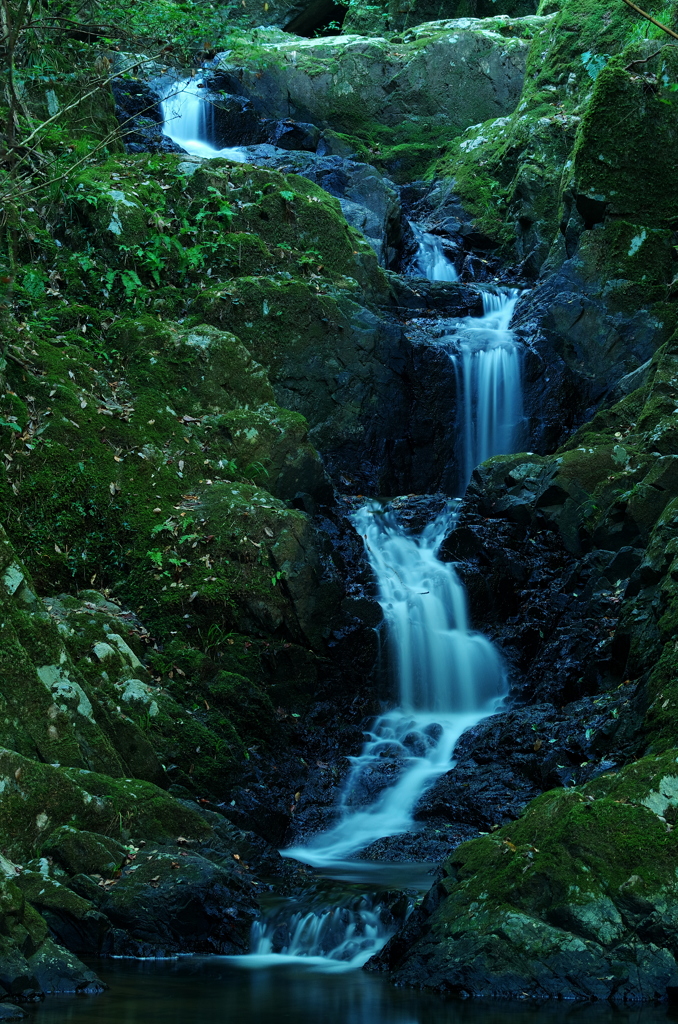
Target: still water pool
202,990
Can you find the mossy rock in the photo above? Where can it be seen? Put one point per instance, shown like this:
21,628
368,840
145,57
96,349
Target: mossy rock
37,798
615,176
572,883
243,703
31,964
378,18
79,851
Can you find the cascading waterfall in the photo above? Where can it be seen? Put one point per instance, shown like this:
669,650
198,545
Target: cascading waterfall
448,678
334,938
431,259
188,119
488,367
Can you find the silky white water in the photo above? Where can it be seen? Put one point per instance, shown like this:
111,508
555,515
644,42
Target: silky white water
329,939
488,367
431,259
448,679
188,120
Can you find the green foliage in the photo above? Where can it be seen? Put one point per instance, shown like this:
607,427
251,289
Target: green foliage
594,63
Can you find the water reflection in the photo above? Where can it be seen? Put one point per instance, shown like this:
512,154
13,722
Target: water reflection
210,991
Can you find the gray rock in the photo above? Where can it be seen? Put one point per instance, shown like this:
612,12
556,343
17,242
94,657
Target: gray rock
8,1011
370,202
451,72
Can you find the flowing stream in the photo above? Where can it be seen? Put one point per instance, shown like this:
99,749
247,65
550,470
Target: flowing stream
488,367
431,259
446,676
189,120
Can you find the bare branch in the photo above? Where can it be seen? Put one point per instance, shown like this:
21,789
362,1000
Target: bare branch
639,10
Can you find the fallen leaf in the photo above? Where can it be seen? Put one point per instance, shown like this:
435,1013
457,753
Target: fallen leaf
111,488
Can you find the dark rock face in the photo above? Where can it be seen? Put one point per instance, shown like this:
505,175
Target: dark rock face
136,108
177,901
502,920
579,343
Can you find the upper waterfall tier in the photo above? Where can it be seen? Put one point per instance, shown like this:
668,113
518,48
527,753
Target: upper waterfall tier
488,366
188,119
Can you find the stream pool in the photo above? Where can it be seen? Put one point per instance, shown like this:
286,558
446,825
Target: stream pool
210,990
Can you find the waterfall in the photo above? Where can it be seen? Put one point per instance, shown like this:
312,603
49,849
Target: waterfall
333,938
488,368
188,119
448,679
431,259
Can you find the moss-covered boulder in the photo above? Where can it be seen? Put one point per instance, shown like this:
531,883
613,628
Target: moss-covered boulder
514,174
575,900
113,873
31,963
438,79
388,16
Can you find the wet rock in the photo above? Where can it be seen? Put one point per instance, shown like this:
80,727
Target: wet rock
416,511
31,964
389,84
174,901
73,921
58,972
517,928
8,1011
429,845
369,201
289,134
139,117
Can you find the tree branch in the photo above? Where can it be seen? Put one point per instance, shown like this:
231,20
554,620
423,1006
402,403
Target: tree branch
639,10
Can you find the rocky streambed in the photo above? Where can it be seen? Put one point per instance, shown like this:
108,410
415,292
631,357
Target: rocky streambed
211,359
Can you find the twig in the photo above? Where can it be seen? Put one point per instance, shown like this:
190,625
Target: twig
99,84
639,10
644,60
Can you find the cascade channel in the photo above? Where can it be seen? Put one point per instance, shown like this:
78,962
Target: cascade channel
445,676
188,120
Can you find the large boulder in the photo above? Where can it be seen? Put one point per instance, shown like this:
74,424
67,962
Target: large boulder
369,201
391,16
575,900
444,75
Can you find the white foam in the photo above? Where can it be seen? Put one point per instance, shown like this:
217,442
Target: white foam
187,120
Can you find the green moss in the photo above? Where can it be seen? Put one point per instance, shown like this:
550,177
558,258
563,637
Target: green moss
575,848
37,798
608,170
245,704
388,16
